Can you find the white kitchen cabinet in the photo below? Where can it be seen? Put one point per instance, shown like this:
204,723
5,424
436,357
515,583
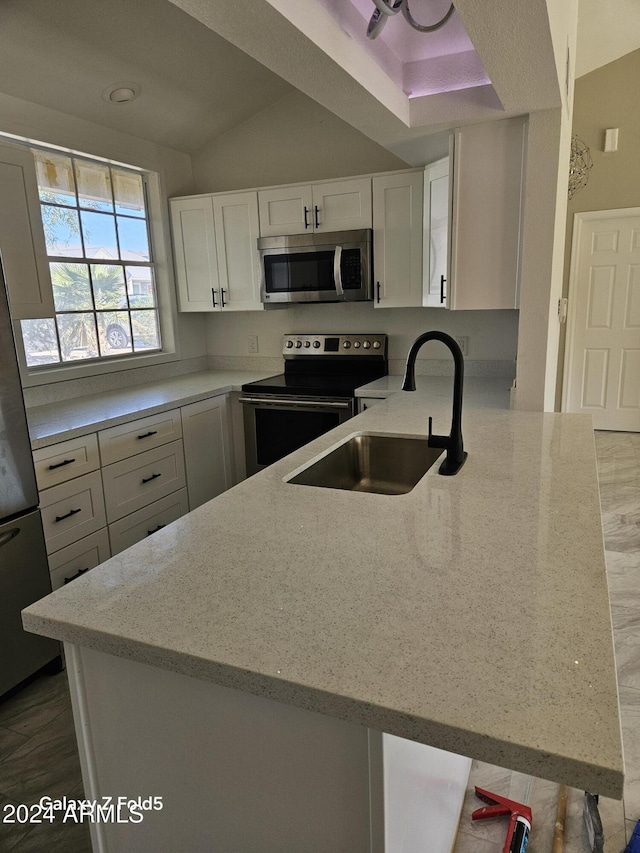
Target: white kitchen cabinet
71,562
329,206
208,451
237,231
365,403
216,253
128,439
72,510
436,250
487,211
139,480
398,239
146,521
66,460
22,243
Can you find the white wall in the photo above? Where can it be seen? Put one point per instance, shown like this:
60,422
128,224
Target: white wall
492,334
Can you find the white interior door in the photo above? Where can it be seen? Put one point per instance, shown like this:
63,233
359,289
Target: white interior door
602,368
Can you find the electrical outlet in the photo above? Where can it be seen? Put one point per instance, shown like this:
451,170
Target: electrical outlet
463,343
253,343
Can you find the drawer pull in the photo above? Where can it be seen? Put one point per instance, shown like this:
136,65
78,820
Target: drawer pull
60,464
68,515
77,575
152,477
155,529
147,434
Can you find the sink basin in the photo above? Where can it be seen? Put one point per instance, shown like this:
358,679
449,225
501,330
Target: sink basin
382,464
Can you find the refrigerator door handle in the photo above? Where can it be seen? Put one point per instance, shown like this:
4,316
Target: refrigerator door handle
5,538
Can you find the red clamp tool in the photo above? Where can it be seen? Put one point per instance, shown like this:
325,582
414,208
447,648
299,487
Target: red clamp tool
520,819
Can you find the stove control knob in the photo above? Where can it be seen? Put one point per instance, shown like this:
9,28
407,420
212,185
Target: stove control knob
316,344
289,344
356,344
377,344
347,344
367,344
298,344
307,344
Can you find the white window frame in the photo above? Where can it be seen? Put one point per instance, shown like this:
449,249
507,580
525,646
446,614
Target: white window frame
164,281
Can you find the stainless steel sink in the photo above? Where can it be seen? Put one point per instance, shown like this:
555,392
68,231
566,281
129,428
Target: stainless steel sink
383,464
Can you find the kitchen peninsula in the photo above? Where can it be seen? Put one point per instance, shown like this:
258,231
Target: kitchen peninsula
248,656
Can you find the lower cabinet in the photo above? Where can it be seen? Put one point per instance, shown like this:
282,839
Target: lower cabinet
365,403
137,491
72,562
146,521
206,433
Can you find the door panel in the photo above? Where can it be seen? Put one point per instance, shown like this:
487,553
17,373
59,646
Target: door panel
602,368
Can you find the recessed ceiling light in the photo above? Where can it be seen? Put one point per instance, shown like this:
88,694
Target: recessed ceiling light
121,93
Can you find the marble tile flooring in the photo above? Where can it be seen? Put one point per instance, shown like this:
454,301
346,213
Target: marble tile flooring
38,754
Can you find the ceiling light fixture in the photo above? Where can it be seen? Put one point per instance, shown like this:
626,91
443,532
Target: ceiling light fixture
121,93
386,8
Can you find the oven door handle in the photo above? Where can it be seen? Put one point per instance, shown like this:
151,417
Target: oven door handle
309,404
337,271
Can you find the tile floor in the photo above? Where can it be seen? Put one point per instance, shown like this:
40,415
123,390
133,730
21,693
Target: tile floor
38,754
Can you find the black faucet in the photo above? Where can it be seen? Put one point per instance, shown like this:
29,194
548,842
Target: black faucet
456,456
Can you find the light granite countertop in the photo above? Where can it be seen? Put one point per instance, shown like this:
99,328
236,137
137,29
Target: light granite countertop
78,416
471,614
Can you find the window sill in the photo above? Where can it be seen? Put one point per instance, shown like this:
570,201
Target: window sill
71,371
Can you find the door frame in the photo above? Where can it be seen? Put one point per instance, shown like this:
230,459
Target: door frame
579,220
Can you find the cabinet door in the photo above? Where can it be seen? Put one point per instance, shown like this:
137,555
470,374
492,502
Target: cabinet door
207,449
22,245
72,562
237,231
285,210
194,247
342,205
72,510
485,250
147,521
437,212
397,240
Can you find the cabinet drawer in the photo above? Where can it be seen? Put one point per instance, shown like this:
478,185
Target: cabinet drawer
137,526
133,483
126,440
72,510
66,460
73,561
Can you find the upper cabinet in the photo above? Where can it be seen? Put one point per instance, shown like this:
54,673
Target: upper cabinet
487,210
215,240
22,244
437,215
334,206
397,240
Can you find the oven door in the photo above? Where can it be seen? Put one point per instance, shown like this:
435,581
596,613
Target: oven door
276,426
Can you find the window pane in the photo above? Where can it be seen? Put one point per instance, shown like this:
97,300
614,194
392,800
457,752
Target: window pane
128,193
98,230
108,286
61,231
71,287
140,287
145,330
134,243
77,334
94,185
114,332
40,342
55,178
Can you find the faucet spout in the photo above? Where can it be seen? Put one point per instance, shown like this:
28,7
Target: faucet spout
456,456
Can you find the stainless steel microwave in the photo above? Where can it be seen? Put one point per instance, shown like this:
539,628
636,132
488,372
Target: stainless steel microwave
330,267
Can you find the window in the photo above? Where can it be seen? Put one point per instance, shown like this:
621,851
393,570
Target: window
96,228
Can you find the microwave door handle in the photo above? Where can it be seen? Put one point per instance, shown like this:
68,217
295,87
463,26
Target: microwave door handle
337,272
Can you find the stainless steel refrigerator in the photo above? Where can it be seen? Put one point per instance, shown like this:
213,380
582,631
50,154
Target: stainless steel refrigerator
24,571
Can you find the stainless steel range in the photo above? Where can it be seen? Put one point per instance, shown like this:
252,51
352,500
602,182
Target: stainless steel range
315,393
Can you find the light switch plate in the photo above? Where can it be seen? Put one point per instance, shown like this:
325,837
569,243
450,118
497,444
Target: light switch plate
253,343
463,343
